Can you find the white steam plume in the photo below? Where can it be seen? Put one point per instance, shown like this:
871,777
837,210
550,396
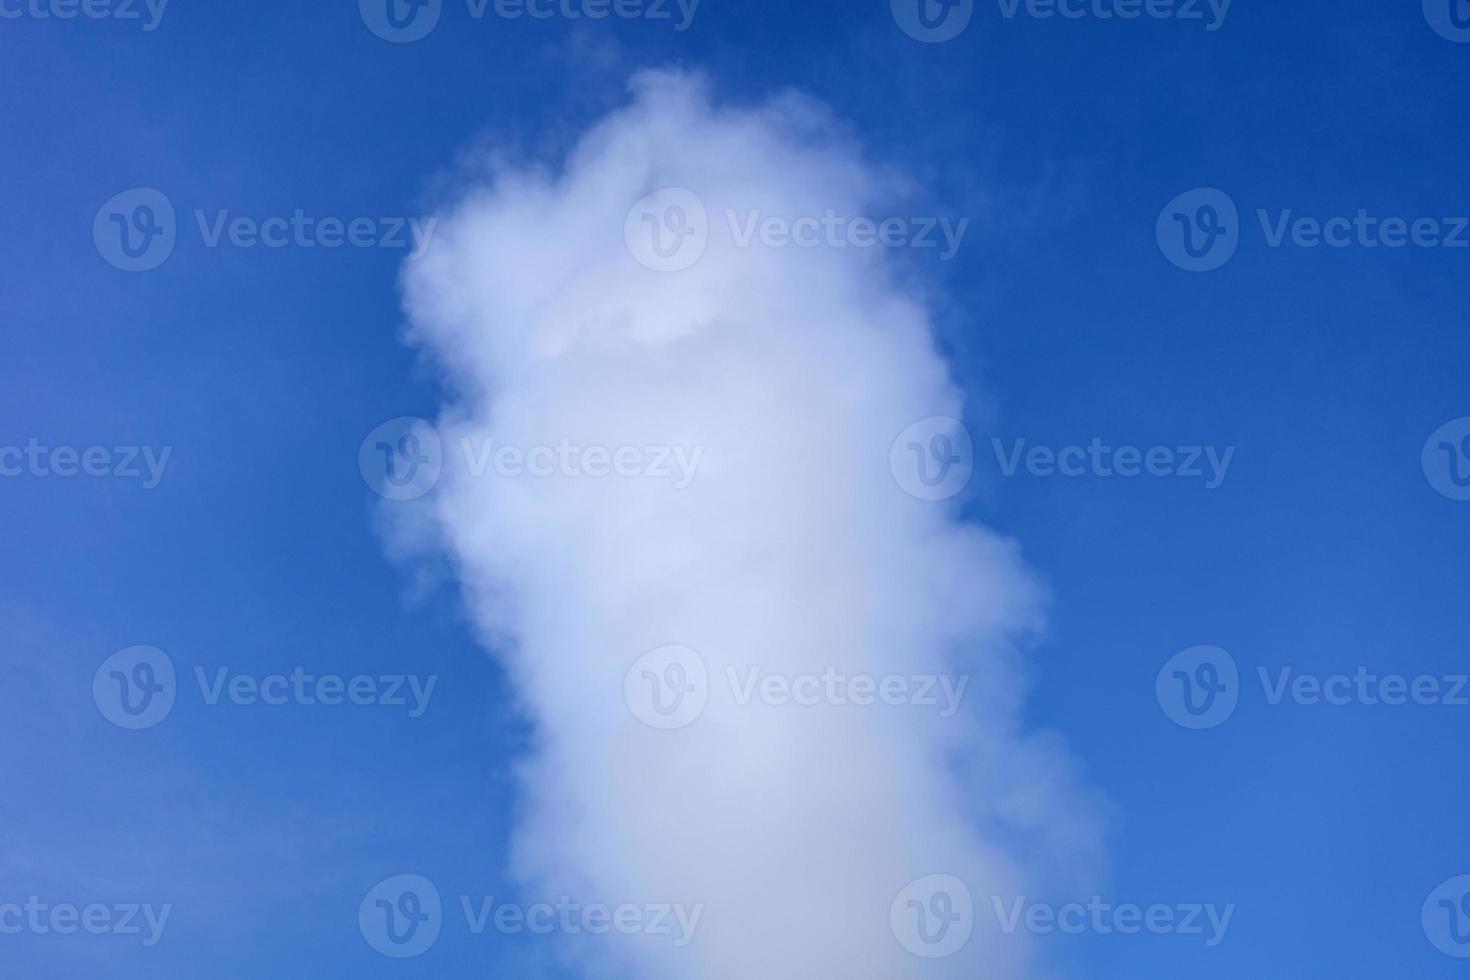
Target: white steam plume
784,375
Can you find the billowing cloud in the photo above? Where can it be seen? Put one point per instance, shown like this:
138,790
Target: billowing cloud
672,491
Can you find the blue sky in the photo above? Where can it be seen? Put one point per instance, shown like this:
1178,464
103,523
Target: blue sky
1325,548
